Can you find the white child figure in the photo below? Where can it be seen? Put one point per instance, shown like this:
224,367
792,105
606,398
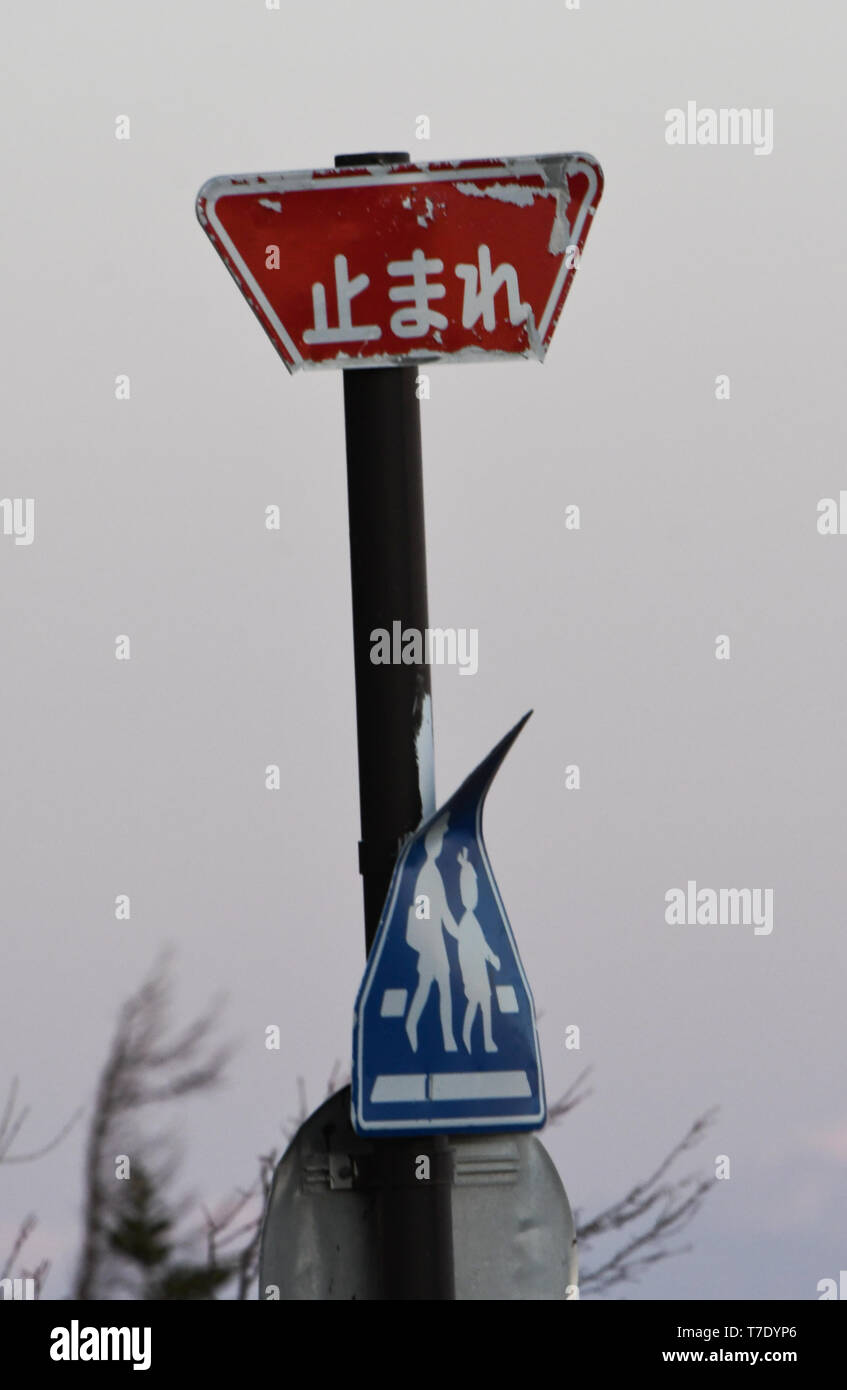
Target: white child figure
474,955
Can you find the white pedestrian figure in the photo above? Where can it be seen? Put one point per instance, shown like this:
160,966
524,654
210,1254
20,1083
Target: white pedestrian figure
474,955
425,936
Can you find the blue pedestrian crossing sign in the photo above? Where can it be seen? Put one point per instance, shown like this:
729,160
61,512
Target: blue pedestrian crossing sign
444,1035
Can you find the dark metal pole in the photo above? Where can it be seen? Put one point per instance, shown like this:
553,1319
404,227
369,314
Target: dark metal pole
388,564
393,720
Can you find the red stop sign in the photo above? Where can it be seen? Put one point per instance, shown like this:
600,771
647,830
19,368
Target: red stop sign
378,265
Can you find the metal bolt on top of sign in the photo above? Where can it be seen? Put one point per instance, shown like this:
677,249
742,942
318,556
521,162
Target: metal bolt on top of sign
378,266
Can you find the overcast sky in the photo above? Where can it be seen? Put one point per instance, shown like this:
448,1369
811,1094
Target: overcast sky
698,519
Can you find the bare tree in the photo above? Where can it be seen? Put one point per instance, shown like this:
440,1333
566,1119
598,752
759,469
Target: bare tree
651,1214
222,1230
12,1120
129,1229
11,1124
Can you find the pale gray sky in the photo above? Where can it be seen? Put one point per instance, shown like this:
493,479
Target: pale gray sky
698,518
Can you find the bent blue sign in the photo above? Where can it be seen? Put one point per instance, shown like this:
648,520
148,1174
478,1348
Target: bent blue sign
444,1036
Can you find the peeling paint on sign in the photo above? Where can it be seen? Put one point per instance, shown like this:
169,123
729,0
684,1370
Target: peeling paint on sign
460,260
424,754
519,194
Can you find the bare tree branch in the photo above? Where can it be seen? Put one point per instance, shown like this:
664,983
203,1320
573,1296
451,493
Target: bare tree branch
569,1100
248,1260
6,1157
6,1117
25,1230
37,1275
10,1127
293,1123
670,1205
